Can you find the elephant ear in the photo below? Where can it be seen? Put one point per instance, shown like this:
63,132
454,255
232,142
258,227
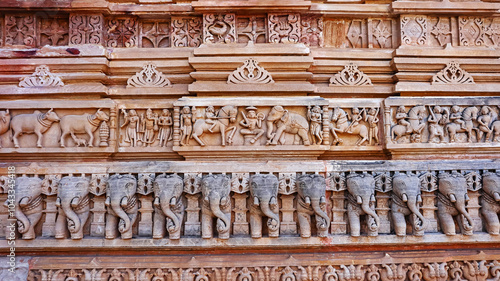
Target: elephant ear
285,116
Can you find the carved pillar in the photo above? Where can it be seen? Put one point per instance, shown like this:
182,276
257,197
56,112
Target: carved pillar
473,209
192,227
382,210
240,225
86,29
177,124
113,126
387,124
326,125
49,225
98,216
429,210
339,223
146,210
288,225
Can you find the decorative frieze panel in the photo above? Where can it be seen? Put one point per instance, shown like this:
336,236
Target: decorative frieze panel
479,31
86,29
219,28
42,77
251,29
459,189
414,30
53,31
154,34
20,30
121,32
284,28
187,31
359,33
311,30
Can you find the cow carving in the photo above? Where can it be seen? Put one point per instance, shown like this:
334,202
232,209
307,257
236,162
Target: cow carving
35,123
81,124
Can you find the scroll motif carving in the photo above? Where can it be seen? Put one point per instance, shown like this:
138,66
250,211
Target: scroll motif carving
493,31
53,31
381,31
250,72
284,28
86,29
414,30
121,32
251,29
452,74
471,31
311,30
441,30
42,77
20,30
148,77
155,34
219,28
186,31
350,76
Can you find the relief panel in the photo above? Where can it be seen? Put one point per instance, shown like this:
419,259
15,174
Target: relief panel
121,32
186,31
251,29
53,31
20,30
155,34
86,29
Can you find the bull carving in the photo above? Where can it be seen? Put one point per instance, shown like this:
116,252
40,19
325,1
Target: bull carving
4,123
81,124
35,123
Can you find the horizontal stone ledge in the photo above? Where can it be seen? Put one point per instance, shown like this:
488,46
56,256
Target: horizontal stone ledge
450,88
448,7
92,243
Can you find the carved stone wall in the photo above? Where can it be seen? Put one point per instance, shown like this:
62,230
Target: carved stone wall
199,140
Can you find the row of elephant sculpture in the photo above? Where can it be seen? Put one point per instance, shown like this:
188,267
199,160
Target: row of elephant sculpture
73,202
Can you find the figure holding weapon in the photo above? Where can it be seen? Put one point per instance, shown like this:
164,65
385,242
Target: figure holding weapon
252,123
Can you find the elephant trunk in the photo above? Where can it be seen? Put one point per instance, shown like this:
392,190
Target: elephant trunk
365,206
419,223
274,218
466,219
324,222
222,221
175,224
74,222
23,223
116,205
270,128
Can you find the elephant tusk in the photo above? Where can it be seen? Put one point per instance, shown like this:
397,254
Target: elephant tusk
108,201
359,200
173,201
404,197
74,202
24,202
256,201
372,198
157,202
496,196
419,198
322,200
308,200
224,201
466,197
124,202
58,202
453,198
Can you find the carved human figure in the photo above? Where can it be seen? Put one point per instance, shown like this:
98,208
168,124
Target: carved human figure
264,194
216,204
372,119
73,203
186,125
169,205
490,202
340,123
252,123
81,124
286,122
210,117
437,119
149,127
356,116
165,126
28,205
315,117
222,124
311,200
122,206
35,123
406,201
461,122
484,120
401,117
361,201
4,123
132,129
413,127
452,199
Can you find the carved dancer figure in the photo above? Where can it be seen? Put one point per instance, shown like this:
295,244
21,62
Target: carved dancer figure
252,123
149,127
165,124
372,120
484,121
186,125
437,119
35,123
315,116
4,123
132,123
210,117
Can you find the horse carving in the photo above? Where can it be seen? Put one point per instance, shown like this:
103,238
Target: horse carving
413,127
80,124
341,124
468,116
225,116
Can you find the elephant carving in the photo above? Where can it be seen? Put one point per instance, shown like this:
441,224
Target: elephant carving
361,201
490,202
264,193
452,198
216,203
286,122
169,207
312,201
406,200
122,206
28,205
73,204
